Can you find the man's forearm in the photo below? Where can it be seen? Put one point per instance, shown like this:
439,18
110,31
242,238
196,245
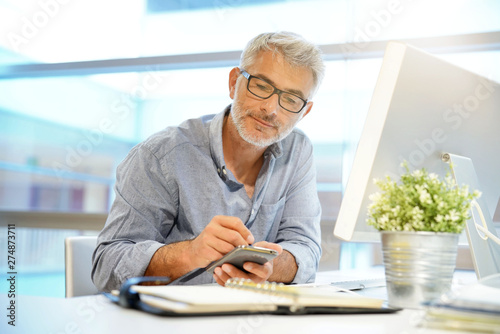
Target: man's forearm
170,260
284,268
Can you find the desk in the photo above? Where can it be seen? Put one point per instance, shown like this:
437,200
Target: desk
95,314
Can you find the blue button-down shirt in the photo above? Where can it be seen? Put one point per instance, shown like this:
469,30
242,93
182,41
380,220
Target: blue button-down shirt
170,186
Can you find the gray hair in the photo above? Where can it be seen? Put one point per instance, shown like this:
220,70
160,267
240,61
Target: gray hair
296,51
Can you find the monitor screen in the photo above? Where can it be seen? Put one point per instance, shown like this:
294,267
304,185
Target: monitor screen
422,107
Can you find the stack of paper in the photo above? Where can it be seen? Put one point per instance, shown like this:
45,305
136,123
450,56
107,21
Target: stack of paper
474,308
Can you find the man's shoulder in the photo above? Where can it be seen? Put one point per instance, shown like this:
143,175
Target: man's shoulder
299,134
297,138
192,132
296,148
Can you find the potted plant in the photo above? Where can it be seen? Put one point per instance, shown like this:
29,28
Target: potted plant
420,219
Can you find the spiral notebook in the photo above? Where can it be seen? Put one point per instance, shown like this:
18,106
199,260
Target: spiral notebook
244,297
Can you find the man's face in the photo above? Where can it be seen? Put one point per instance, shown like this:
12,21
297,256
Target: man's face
262,122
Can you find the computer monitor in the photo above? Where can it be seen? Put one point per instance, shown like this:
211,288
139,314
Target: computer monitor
422,107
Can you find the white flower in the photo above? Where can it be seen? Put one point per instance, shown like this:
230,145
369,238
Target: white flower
434,177
384,219
424,196
417,173
375,197
440,203
454,216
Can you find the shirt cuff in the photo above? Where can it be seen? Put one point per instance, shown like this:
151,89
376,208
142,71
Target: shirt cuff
138,260
307,264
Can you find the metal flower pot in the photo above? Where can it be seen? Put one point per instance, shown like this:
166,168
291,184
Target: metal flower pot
419,266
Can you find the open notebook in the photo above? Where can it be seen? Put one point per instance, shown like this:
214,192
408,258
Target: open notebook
243,297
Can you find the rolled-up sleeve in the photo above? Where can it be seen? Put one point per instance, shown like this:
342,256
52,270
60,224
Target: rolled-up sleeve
139,218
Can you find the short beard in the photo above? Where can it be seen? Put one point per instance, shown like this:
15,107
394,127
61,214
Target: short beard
238,116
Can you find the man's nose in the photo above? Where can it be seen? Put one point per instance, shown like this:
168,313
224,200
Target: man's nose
271,104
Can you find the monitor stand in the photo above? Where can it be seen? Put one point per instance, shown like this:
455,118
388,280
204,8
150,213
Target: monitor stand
483,241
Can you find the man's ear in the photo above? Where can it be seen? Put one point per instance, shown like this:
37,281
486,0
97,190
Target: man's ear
307,108
233,77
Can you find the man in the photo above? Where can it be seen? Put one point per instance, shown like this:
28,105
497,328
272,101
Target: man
190,194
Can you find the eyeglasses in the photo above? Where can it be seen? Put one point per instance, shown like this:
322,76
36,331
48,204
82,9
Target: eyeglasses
264,90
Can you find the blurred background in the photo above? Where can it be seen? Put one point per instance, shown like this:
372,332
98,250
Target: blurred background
82,82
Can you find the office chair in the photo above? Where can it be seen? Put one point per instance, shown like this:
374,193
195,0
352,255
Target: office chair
78,265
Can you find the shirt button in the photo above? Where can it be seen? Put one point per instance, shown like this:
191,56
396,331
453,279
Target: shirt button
253,211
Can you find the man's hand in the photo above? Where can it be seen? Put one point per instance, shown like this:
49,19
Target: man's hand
219,237
256,272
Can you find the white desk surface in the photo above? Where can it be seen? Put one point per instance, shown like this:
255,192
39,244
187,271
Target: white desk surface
95,314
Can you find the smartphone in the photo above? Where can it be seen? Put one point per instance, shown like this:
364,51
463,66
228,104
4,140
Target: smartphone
241,254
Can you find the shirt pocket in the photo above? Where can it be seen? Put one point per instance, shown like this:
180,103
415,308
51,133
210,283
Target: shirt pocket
267,221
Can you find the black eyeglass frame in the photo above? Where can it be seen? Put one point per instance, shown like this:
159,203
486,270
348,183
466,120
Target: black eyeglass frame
248,76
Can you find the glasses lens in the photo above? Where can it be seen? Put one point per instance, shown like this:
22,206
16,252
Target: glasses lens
264,90
260,88
291,102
